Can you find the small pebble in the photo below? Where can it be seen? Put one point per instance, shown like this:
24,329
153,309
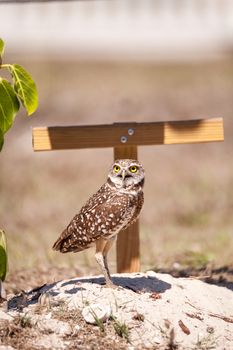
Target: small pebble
150,274
210,330
95,312
5,316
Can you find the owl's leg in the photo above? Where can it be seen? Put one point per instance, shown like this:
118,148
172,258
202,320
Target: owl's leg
107,247
102,248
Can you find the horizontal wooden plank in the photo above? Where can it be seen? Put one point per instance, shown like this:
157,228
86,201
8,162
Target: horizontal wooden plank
130,134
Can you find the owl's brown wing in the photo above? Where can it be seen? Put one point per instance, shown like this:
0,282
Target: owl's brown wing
102,216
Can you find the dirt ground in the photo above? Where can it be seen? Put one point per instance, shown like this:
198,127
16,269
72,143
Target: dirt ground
144,311
20,334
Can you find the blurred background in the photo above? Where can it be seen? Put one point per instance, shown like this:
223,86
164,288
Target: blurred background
100,62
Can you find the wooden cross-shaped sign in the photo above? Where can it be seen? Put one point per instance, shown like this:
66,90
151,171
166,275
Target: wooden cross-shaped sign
125,138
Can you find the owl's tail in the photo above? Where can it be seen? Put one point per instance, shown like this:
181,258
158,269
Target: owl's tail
58,244
64,243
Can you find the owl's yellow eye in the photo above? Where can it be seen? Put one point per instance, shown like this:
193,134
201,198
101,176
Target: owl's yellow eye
116,168
133,169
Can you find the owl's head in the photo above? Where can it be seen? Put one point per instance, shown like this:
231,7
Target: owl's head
125,173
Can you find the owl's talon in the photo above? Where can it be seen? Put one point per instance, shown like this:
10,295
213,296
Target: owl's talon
112,285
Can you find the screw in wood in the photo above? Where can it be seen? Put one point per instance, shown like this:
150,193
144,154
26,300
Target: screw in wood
124,139
130,131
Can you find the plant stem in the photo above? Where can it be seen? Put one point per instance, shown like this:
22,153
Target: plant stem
5,66
2,291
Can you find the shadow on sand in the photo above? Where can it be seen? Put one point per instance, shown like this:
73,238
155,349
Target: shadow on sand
221,276
138,284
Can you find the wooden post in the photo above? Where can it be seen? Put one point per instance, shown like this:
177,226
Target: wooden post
128,249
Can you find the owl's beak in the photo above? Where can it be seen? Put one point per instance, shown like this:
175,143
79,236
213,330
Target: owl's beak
123,174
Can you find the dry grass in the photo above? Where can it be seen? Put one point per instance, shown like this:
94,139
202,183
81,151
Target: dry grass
189,188
21,334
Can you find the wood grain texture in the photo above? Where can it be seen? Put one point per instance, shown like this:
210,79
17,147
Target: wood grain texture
151,133
128,249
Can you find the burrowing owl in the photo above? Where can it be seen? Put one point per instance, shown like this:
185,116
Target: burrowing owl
113,208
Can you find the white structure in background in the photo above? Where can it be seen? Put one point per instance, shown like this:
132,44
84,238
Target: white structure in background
136,29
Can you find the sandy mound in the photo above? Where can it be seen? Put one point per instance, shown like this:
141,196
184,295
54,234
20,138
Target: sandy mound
157,310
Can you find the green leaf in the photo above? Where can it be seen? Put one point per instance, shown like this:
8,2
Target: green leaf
3,256
9,105
1,139
2,45
25,87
